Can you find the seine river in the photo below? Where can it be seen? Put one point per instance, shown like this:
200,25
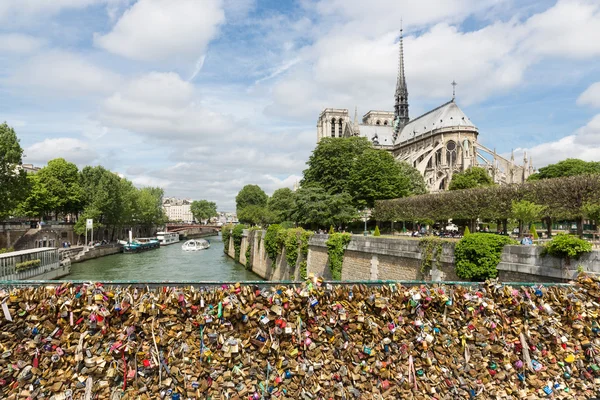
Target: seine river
169,263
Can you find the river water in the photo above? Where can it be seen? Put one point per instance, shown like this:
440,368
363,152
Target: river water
169,263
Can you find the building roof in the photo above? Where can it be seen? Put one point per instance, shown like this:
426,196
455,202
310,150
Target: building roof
385,133
448,115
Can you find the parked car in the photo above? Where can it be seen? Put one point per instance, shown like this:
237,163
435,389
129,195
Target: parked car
452,227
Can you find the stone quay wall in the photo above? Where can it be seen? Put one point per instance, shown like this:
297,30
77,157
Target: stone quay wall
376,258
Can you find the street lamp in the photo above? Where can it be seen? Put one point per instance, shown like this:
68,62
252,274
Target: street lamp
366,213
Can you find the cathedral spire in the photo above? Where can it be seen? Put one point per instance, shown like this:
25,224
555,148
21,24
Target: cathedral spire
401,95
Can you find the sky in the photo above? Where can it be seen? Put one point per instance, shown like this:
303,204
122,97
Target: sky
202,97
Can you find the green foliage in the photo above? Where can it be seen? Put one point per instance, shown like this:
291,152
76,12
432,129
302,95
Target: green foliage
526,212
467,231
236,235
568,167
226,234
281,205
254,214
331,162
272,246
471,178
416,182
249,254
376,175
534,233
478,254
431,251
250,195
336,245
316,207
304,238
567,247
331,230
563,198
292,246
591,210
22,266
287,224
60,182
145,205
2,251
203,209
13,181
376,233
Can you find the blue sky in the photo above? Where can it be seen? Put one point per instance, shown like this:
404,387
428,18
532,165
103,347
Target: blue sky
204,96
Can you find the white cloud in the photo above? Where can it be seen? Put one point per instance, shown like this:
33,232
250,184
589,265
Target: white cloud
19,43
73,150
591,96
144,180
11,9
162,106
164,30
583,144
62,72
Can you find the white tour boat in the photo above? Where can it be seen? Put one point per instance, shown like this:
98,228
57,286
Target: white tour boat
166,238
196,244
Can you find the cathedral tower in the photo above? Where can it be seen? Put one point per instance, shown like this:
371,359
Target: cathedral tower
401,96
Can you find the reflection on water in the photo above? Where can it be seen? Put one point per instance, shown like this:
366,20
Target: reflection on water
169,263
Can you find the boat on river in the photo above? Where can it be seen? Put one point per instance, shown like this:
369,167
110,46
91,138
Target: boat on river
167,238
139,245
195,245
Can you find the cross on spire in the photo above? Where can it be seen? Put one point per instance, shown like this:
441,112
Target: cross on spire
454,89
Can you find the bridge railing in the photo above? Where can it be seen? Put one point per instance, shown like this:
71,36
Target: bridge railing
208,284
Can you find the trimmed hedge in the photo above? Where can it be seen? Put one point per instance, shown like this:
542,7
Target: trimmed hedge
567,247
22,266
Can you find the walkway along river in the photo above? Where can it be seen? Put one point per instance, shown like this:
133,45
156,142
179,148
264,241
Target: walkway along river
169,263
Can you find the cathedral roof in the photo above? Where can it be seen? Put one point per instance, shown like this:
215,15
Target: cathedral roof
385,133
448,115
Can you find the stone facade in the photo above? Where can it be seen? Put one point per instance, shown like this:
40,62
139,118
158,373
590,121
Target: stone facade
370,258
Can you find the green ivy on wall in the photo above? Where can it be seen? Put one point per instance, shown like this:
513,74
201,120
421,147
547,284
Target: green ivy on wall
292,246
272,247
236,234
431,252
226,234
304,238
336,245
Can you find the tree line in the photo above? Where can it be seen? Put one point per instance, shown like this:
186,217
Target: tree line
61,189
344,176
565,198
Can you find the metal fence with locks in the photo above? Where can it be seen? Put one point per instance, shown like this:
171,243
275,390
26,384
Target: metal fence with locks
299,340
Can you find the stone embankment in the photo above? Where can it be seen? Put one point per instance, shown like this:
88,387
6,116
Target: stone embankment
302,341
376,258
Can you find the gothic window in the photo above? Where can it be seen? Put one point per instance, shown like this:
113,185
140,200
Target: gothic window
451,152
332,127
438,157
340,128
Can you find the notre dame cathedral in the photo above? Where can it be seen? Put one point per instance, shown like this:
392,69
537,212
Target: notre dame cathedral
438,143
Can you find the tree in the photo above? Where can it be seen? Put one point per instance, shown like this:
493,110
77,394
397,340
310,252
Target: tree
203,209
416,181
38,202
13,181
316,207
568,167
250,195
375,176
526,212
60,180
254,215
591,210
332,160
148,207
471,178
281,205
